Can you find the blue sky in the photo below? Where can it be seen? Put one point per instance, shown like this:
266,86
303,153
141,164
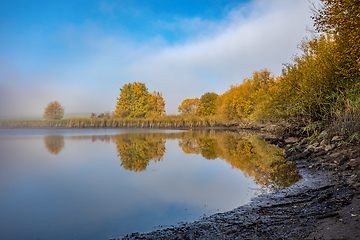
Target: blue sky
81,52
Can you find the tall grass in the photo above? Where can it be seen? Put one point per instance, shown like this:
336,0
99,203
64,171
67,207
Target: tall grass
33,123
170,121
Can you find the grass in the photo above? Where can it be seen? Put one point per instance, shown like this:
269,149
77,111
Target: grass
170,121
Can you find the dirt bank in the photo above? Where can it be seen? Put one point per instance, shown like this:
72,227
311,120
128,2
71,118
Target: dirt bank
325,204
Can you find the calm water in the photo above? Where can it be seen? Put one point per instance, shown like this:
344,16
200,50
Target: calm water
102,183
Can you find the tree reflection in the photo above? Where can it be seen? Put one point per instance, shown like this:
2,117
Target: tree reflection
202,144
54,143
258,159
248,153
137,150
251,154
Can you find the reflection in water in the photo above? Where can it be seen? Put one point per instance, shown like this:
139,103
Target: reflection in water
205,145
250,154
93,138
137,150
258,159
54,143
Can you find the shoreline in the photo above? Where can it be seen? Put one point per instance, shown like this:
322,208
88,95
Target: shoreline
325,204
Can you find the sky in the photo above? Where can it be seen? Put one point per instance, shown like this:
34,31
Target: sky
81,52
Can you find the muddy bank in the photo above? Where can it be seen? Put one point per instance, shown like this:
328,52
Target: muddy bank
325,204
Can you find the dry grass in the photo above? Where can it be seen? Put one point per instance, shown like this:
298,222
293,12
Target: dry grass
171,121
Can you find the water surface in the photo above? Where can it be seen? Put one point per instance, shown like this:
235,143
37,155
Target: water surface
102,183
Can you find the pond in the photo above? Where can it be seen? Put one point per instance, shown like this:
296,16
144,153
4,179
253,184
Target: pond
103,183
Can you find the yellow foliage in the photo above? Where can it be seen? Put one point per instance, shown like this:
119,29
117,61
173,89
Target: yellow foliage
189,106
137,150
239,101
54,111
341,19
135,101
207,104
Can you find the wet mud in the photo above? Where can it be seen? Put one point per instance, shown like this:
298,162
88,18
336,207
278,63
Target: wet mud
324,204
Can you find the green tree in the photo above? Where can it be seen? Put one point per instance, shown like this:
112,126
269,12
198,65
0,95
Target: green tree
54,111
135,101
189,106
207,104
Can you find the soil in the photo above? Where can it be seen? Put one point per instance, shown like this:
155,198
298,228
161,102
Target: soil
325,204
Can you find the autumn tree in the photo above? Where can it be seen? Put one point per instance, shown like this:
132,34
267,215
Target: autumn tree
135,101
341,18
54,111
257,87
207,104
310,86
189,106
226,104
240,101
156,105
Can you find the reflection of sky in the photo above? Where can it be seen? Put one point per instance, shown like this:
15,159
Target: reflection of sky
83,193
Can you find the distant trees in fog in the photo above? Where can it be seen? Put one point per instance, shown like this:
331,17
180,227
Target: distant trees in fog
54,111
